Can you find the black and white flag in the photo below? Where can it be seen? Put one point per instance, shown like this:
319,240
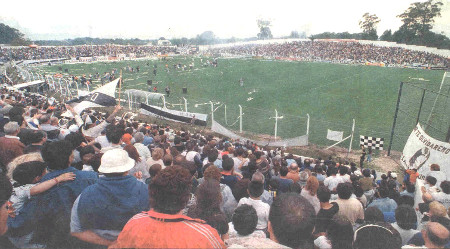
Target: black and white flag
375,143
100,97
177,116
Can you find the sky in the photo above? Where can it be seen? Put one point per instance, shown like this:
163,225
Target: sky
58,20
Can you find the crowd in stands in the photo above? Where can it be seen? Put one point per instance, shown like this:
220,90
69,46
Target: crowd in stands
98,180
338,52
67,52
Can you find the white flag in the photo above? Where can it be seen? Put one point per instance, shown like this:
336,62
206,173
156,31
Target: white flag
102,96
335,135
421,151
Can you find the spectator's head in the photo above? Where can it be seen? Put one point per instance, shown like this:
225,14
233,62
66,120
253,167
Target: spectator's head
405,200
323,194
212,172
437,209
410,188
295,188
383,192
139,137
293,167
435,235
45,119
406,217
284,171
435,167
114,133
312,184
375,236
58,155
208,196
255,189
29,172
213,154
189,166
431,180
240,189
170,190
344,190
291,220
340,232
366,172
76,139
5,194
227,164
258,177
22,159
155,169
245,219
157,154
373,215
445,186
11,128
167,160
132,152
116,161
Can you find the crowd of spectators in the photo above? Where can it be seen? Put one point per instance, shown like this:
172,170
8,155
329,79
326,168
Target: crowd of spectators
338,52
67,52
100,180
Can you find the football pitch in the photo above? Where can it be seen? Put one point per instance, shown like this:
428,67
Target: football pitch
332,94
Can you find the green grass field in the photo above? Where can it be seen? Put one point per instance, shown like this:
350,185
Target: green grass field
332,94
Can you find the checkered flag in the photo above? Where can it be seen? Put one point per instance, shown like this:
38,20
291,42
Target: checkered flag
375,143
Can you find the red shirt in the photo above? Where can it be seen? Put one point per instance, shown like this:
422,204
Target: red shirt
157,230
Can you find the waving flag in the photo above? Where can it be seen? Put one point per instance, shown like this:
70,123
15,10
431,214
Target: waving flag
102,96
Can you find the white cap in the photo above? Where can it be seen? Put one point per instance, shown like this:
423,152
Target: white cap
394,175
115,161
73,128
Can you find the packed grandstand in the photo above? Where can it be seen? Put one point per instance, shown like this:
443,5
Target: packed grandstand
352,52
95,179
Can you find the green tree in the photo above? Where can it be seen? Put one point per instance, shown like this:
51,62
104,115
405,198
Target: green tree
386,36
11,36
264,29
419,17
368,24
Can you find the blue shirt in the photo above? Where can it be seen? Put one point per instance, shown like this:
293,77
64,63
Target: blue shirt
384,204
147,140
48,214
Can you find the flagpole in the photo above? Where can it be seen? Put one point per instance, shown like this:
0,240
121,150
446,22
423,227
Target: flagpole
120,85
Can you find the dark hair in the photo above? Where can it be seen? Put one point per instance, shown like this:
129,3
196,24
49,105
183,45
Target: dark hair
358,190
323,194
340,232
406,217
373,215
430,179
213,154
292,218
227,164
114,133
155,169
284,171
57,154
75,139
208,198
295,188
25,173
5,189
383,191
189,166
343,170
245,219
344,190
170,190
366,172
87,150
240,189
375,236
255,189
410,188
405,200
445,186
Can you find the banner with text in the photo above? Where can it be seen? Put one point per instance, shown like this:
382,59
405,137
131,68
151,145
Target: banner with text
421,151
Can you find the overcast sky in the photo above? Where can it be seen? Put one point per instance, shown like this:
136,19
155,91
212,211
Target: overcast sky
55,19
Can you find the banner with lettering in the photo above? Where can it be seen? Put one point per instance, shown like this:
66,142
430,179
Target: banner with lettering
421,151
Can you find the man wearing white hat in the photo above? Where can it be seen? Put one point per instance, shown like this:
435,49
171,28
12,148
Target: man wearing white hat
103,209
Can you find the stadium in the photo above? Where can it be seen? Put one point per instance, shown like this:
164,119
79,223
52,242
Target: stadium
336,141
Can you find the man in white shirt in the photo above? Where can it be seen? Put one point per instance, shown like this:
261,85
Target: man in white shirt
143,150
255,189
332,181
